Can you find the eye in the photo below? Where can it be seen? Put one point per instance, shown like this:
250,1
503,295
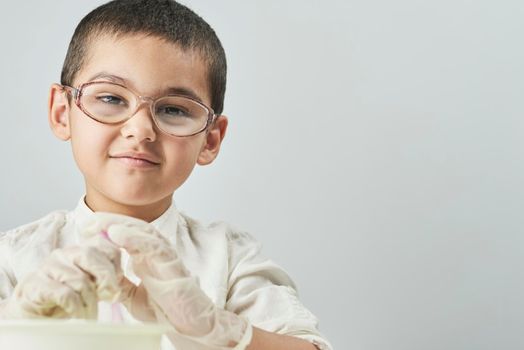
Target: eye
172,111
110,99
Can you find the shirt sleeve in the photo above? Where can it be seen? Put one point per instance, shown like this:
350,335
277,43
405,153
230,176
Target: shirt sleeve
23,248
7,279
263,292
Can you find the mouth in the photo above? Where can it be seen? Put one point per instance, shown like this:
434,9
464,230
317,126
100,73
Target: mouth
136,160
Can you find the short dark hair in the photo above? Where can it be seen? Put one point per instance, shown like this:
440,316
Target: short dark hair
165,19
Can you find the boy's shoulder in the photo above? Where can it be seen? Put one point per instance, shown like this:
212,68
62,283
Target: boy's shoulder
239,245
20,235
199,229
244,251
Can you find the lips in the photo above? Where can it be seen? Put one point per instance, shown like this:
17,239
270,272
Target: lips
139,156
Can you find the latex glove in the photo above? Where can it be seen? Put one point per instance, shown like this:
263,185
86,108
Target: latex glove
68,284
171,292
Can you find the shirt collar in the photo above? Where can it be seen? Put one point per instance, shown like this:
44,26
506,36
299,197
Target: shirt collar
166,223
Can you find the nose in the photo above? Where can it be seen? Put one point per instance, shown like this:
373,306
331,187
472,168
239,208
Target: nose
140,126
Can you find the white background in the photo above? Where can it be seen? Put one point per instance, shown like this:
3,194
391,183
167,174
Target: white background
374,148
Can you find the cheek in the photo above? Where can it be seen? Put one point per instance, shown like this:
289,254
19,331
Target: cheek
182,154
89,142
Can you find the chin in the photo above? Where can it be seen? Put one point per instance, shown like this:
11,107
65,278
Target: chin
134,198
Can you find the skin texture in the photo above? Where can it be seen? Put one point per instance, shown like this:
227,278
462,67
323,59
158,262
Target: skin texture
114,186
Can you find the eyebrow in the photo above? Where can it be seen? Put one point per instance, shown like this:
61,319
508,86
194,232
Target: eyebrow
169,91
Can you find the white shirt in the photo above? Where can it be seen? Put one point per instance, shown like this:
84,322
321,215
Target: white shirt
227,262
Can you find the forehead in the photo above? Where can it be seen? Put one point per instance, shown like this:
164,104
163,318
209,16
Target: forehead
147,64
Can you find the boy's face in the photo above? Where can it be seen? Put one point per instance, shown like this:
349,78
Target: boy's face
149,66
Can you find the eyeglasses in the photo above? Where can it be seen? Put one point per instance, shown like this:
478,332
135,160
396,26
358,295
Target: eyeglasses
113,103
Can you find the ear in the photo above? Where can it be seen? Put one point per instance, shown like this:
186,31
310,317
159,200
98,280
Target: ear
214,138
58,112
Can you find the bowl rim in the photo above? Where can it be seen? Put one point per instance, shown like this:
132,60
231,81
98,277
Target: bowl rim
77,326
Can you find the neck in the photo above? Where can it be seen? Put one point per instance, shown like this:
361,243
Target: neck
147,212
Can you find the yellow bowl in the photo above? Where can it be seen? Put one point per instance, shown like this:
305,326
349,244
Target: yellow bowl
51,334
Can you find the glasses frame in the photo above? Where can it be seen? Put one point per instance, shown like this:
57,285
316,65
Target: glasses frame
76,93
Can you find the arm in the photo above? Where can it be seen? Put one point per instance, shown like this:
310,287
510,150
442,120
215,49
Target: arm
169,291
263,292
263,340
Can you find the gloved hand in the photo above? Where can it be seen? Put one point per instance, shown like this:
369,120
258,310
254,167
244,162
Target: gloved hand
68,284
169,291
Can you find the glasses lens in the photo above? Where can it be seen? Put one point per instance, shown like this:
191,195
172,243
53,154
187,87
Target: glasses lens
107,103
180,116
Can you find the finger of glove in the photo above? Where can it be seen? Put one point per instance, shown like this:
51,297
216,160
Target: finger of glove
95,264
135,299
42,296
94,232
78,280
102,243
151,254
100,222
127,290
140,243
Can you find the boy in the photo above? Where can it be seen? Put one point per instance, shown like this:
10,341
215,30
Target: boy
140,99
